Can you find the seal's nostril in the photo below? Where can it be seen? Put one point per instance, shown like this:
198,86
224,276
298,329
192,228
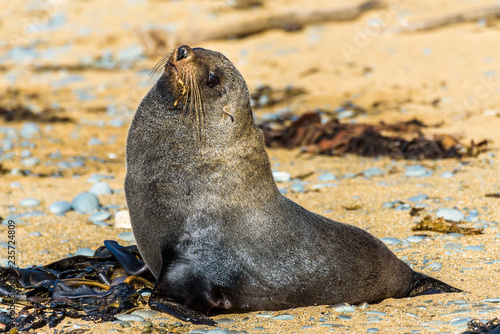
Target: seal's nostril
182,52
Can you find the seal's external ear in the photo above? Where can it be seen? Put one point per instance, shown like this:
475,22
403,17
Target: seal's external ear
227,112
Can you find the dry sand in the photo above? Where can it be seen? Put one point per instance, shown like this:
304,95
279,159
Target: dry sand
395,76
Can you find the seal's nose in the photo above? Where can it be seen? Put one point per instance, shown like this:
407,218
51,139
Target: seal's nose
183,52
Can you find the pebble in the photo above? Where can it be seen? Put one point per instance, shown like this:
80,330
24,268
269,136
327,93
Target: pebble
344,308
98,177
372,330
373,318
16,185
129,317
417,171
281,176
30,130
452,236
30,162
450,214
147,324
326,176
99,216
122,219
374,171
100,188
418,198
85,252
447,175
452,246
375,313
435,266
461,322
391,241
344,317
100,223
297,187
475,248
491,300
127,236
59,207
225,321
29,202
146,314
85,202
415,238
283,317
35,234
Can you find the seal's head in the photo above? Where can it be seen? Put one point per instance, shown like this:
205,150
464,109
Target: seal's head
206,90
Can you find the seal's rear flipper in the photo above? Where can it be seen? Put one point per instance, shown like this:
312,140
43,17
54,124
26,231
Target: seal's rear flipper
424,285
177,310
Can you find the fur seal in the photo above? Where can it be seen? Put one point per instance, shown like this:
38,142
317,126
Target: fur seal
210,222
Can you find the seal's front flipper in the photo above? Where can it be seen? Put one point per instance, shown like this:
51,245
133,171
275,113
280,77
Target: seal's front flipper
424,285
183,312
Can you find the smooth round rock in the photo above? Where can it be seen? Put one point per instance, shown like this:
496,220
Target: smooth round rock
281,176
415,238
417,171
475,248
283,317
30,131
59,207
418,198
391,241
461,322
452,246
447,175
30,162
450,214
100,188
99,216
225,321
146,314
491,300
344,308
374,171
126,236
372,330
29,202
129,317
122,219
85,203
85,252
435,266
326,176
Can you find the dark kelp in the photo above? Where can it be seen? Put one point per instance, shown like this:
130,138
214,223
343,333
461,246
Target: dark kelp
88,287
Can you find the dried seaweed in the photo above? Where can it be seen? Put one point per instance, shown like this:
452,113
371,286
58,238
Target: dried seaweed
445,226
398,140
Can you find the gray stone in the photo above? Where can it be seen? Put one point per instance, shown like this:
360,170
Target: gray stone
326,176
99,216
475,248
100,188
450,214
29,202
59,207
30,162
374,171
283,317
452,246
129,317
85,252
85,203
417,171
281,177
146,314
122,219
391,241
418,198
126,236
30,131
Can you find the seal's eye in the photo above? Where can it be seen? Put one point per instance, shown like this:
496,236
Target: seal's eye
213,80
